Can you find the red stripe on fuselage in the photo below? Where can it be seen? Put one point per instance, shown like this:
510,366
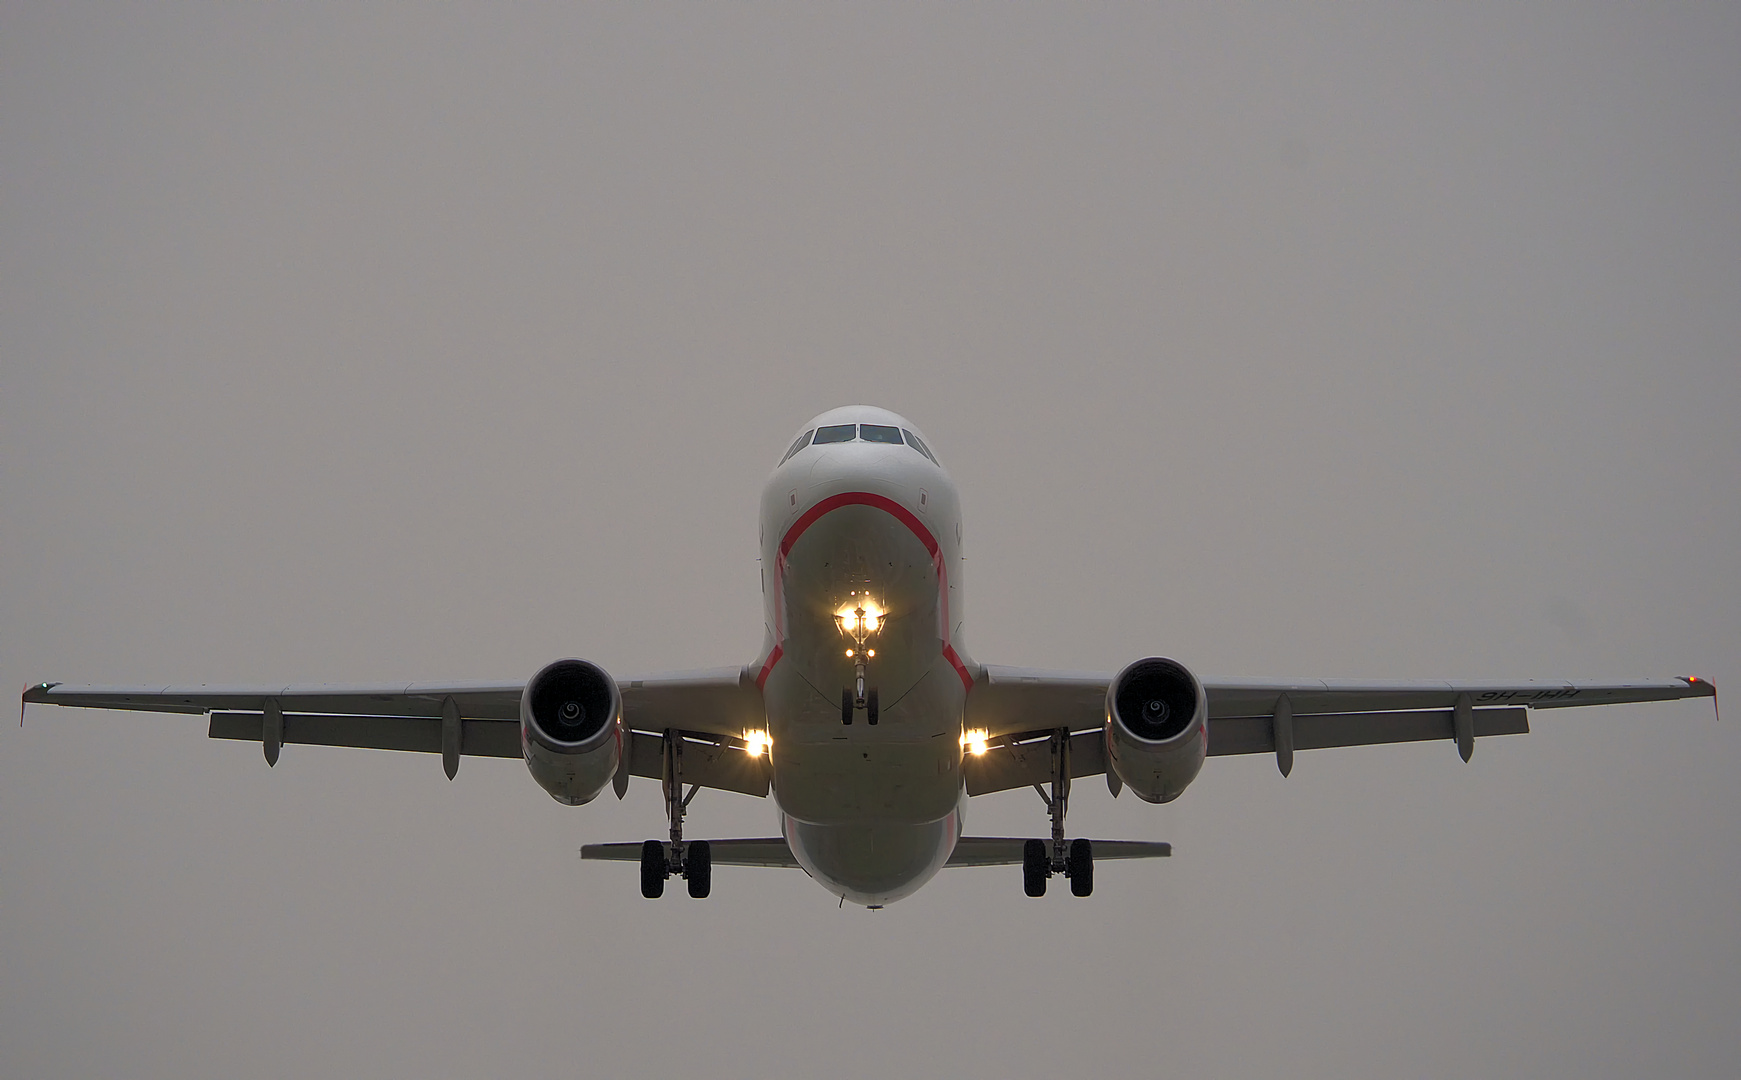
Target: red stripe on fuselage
773,658
899,513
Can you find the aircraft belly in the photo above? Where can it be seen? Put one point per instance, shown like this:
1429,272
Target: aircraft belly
859,779
906,768
873,863
849,553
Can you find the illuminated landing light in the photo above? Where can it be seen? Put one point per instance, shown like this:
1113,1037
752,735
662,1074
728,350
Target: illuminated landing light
973,741
846,615
755,742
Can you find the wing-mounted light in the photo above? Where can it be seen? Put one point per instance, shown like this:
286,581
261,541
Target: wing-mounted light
1698,686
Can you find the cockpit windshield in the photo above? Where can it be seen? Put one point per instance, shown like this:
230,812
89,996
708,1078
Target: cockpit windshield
872,433
803,441
916,443
836,433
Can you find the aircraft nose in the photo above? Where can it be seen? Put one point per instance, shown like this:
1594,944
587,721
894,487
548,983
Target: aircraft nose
827,463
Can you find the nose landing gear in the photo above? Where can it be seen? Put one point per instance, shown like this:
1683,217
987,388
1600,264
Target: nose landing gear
868,703
860,625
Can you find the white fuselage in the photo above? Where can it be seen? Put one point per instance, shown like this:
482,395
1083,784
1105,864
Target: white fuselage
871,812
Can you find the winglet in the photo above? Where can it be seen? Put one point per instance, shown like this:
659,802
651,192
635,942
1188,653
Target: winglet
1704,688
37,693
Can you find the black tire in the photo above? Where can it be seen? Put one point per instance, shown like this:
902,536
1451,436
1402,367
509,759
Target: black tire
698,868
1036,868
870,706
652,869
846,707
1081,867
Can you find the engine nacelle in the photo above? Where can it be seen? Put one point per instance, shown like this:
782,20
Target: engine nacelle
571,730
1156,720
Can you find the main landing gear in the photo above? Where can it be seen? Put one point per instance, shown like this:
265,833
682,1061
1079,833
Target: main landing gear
693,861
1074,860
695,864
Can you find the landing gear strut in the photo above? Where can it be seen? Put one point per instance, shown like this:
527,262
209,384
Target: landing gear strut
1074,860
860,625
693,861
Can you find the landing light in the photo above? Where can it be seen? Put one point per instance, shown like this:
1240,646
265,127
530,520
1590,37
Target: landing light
755,742
973,741
846,615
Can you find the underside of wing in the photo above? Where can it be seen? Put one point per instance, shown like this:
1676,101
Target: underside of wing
1018,714
1009,701
1257,697
706,712
1256,716
476,700
1027,759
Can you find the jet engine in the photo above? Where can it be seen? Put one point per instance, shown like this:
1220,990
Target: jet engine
571,730
1156,720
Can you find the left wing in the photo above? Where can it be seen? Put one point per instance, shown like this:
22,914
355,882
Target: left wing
1020,708
709,710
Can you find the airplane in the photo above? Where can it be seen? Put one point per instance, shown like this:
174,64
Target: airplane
864,716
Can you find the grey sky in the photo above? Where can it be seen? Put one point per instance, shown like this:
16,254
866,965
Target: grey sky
419,343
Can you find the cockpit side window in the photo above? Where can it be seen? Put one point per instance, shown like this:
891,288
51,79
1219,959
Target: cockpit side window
803,441
879,433
836,433
918,444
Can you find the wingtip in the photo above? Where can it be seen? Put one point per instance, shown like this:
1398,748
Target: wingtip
38,693
1704,688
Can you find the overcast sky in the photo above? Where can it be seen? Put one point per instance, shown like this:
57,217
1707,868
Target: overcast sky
423,343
